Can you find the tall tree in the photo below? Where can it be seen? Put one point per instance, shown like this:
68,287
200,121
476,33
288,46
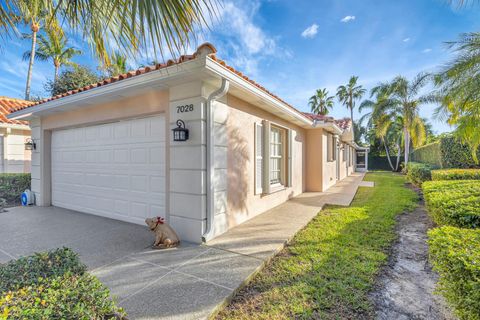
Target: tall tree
54,47
402,99
72,78
349,94
120,24
459,90
387,126
321,102
32,13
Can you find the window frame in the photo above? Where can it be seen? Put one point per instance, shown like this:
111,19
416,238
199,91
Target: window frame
281,156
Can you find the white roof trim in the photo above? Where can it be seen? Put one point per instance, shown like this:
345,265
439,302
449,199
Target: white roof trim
218,69
118,86
14,126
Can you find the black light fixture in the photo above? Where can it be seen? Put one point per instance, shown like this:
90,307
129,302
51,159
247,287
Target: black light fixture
180,133
30,144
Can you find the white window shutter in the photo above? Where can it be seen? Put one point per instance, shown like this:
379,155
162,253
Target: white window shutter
290,161
266,156
259,151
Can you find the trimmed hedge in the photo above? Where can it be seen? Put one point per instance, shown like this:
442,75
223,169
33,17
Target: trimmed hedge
448,152
53,285
456,174
12,185
429,154
455,203
417,173
455,255
27,271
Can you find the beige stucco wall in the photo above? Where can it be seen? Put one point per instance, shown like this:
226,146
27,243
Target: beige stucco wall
150,102
329,171
146,103
314,164
13,156
242,203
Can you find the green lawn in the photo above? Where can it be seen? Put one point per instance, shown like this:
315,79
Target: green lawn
329,268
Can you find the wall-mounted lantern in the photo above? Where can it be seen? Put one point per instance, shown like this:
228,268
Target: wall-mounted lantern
30,144
180,133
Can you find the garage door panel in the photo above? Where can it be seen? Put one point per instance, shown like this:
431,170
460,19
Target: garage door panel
115,170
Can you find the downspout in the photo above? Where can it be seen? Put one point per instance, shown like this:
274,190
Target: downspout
210,157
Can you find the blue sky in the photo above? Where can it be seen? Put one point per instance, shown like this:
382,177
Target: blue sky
294,47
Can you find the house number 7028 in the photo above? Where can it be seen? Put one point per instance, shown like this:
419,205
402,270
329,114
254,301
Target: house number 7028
185,108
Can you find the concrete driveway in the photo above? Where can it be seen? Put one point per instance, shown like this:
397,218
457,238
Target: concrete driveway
188,282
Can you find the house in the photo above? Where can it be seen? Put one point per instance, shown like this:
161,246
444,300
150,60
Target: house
13,135
108,149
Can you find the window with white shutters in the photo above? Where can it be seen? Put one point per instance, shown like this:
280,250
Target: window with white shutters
258,158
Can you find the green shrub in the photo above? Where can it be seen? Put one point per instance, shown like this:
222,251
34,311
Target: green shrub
53,285
456,174
12,185
448,152
429,154
65,297
417,173
27,271
455,255
455,203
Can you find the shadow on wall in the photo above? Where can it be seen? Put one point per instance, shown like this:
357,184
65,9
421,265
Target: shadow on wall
238,160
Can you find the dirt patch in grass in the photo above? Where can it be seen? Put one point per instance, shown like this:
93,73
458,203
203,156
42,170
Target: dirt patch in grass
405,287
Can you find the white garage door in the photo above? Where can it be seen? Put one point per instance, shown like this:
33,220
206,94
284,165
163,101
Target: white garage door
116,170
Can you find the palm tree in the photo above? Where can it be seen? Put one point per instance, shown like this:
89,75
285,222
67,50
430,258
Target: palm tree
386,126
118,65
459,90
54,47
402,99
125,25
320,102
32,13
350,93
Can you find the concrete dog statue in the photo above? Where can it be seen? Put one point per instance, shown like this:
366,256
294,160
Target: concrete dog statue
165,236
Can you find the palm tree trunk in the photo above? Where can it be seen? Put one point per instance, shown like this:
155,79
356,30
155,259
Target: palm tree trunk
30,65
388,154
399,152
406,136
56,74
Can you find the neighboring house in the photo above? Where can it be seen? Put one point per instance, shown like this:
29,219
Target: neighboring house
108,149
13,135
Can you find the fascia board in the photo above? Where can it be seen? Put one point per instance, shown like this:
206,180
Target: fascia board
119,86
219,70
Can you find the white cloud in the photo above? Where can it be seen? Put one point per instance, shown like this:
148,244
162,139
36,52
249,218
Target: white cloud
238,22
348,19
427,50
406,40
311,31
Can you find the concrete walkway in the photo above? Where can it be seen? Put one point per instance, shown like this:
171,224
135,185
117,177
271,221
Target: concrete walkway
189,282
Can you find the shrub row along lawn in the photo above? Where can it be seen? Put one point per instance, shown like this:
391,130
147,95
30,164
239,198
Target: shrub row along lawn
456,174
454,204
53,285
455,255
417,173
329,268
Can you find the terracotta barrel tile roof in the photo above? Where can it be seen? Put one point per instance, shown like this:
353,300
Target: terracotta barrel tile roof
7,104
206,47
343,124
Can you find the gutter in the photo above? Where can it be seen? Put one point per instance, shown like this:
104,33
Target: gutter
210,157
